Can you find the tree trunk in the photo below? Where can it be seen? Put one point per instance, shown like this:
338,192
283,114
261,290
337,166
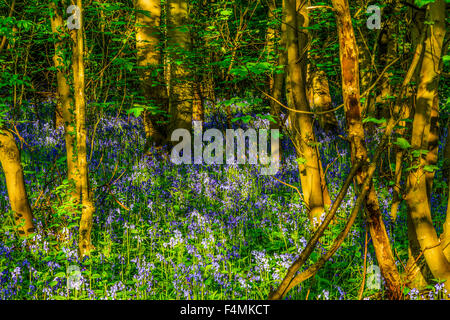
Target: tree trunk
351,95
277,78
387,51
417,185
65,103
321,100
445,237
303,133
84,242
148,44
10,161
181,89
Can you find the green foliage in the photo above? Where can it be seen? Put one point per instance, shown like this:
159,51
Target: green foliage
402,143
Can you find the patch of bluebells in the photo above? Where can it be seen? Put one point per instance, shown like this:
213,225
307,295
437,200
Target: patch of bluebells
191,231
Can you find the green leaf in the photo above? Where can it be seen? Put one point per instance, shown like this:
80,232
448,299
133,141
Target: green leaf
301,160
421,3
418,153
374,120
136,111
446,58
402,143
430,168
60,275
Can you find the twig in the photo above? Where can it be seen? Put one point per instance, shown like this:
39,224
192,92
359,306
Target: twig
294,187
361,289
287,281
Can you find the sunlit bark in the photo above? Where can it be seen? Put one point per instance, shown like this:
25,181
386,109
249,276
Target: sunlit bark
17,194
417,187
148,44
181,89
351,95
88,209
65,102
303,133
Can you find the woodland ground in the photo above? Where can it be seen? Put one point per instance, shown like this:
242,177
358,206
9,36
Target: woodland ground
165,231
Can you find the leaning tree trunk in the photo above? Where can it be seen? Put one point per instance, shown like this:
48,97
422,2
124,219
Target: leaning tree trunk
351,95
417,198
148,44
10,161
301,122
65,102
84,241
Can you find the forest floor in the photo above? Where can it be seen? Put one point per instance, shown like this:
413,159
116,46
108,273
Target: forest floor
166,231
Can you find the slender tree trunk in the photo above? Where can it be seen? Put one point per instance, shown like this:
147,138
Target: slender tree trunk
277,78
445,237
387,51
417,186
197,114
148,44
351,94
65,102
416,265
181,85
303,132
365,65
88,209
12,167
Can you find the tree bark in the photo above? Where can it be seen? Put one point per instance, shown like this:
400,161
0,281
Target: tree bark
417,185
148,44
277,78
351,95
321,100
88,209
15,184
65,103
303,132
181,89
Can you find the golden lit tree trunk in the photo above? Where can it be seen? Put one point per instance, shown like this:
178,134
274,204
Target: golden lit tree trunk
10,162
148,44
88,209
417,186
365,64
301,123
65,102
197,113
351,96
321,100
181,89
